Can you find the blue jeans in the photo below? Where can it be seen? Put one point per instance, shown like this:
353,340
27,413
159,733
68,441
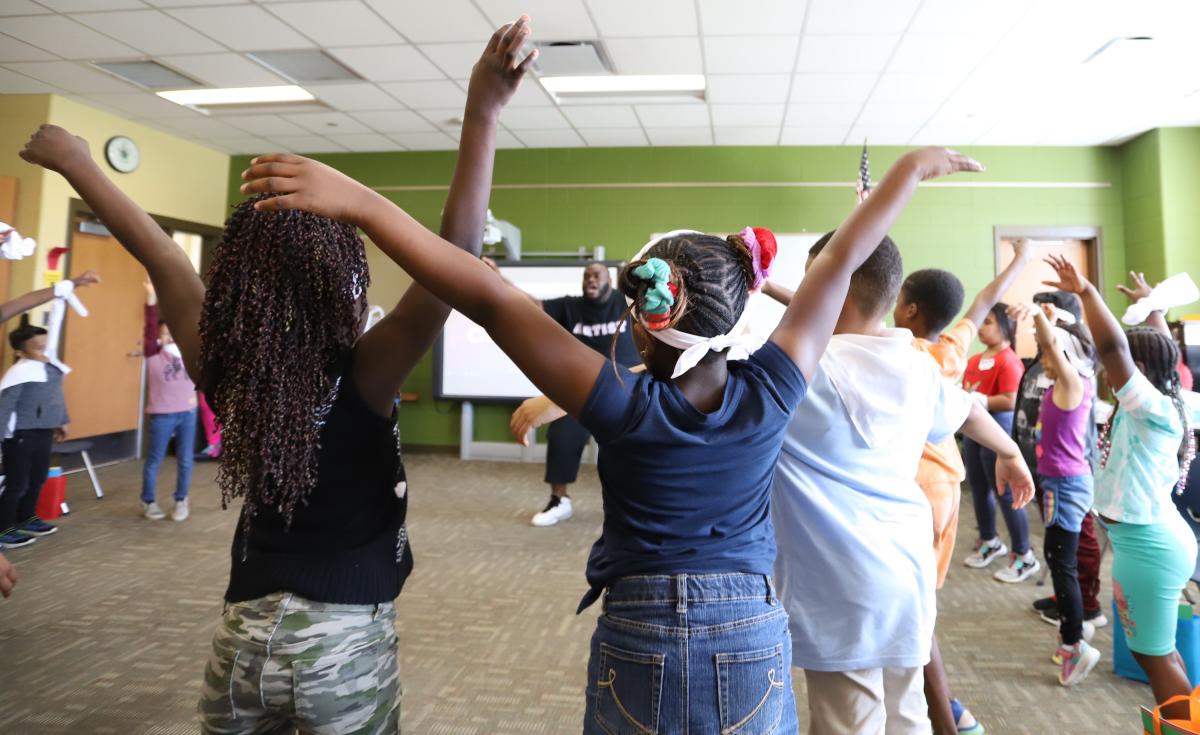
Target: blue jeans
981,475
691,653
163,426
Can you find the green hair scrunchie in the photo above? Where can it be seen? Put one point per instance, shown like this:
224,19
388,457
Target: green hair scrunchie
659,298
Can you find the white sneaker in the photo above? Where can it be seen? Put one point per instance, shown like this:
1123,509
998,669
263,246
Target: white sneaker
1078,662
1089,632
1099,620
985,553
1019,569
181,510
153,512
558,509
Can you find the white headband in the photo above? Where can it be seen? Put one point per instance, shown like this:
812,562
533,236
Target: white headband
739,343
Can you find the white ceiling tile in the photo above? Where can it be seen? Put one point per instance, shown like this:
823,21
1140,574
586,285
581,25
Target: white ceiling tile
550,138
185,3
614,137
223,70
747,116
245,144
394,121
448,119
821,114
533,118
76,6
750,89
916,87
353,96
550,19
266,125
679,136
859,16
955,16
307,144
505,139
616,18
22,7
882,134
924,54
63,36
832,87
425,141
456,59
455,20
328,123
366,142
142,104
242,27
655,55
13,50
150,31
828,135
13,83
845,54
673,116
337,23
387,63
946,135
896,113
751,17
529,94
443,93
601,116
745,136
749,54
200,126
71,76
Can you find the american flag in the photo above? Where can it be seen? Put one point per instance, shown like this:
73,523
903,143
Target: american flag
864,175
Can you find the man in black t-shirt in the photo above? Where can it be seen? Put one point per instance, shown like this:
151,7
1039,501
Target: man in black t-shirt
593,318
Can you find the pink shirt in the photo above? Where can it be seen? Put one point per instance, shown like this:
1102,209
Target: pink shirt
168,387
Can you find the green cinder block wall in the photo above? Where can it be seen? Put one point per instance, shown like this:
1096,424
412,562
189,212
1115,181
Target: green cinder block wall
707,188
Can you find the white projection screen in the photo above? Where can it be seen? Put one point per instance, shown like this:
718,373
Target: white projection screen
468,366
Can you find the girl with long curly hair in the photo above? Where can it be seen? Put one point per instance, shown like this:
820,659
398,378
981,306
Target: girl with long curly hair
310,444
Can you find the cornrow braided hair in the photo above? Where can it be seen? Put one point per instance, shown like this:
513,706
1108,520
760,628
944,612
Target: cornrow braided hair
712,278
1159,357
282,310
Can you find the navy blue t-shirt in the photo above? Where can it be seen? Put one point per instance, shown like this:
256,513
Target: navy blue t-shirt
685,491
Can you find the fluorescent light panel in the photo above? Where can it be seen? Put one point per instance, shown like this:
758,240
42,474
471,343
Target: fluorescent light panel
236,95
631,85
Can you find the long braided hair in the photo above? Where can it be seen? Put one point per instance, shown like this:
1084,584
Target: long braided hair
1159,357
711,279
285,297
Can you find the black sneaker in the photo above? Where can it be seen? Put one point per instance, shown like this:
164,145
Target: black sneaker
1050,616
37,527
1045,603
14,539
1095,617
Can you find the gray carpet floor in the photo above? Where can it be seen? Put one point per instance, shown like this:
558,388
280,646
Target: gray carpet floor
110,625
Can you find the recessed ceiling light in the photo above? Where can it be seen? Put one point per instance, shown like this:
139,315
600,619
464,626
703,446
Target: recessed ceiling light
628,85
236,96
304,65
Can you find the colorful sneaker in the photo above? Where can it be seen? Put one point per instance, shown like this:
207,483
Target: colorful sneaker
211,453
13,539
1095,617
152,512
985,553
181,510
1089,632
1019,569
557,510
37,527
964,720
1050,616
1045,603
1077,662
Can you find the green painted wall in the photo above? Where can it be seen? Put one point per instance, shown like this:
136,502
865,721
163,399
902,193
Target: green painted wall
1180,157
1143,202
948,227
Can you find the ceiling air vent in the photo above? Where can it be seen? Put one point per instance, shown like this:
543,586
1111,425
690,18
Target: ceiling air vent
305,65
147,74
572,59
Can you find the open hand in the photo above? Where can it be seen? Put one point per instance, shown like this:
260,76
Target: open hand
1019,312
1141,289
1068,278
308,185
1012,472
62,432
933,162
54,148
8,576
499,71
534,412
88,278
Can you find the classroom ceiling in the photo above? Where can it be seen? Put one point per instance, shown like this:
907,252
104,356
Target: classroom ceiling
778,72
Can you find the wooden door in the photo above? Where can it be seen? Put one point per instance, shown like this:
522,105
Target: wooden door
1078,252
104,350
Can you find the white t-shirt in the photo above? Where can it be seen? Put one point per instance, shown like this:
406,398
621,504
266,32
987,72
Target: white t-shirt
855,566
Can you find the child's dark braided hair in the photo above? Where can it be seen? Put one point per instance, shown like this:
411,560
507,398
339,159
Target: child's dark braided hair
711,279
285,297
1159,357
1007,328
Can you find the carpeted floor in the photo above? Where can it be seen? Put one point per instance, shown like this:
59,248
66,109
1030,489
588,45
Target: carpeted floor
111,622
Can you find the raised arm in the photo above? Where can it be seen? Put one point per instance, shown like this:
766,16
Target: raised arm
1111,345
1023,250
150,345
809,320
182,291
387,354
1068,384
1011,470
34,299
560,366
1141,289
782,294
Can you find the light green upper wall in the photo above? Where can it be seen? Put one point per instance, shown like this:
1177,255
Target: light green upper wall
947,227
1180,157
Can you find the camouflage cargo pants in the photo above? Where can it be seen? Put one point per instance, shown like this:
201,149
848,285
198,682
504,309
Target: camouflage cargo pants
284,664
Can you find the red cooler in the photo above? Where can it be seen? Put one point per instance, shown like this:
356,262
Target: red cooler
54,493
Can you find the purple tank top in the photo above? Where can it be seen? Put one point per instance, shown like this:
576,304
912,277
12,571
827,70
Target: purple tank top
1062,437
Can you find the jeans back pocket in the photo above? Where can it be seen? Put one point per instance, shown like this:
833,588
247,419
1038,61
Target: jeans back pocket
628,691
750,690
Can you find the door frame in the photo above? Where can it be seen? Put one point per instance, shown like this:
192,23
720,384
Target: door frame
1036,232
